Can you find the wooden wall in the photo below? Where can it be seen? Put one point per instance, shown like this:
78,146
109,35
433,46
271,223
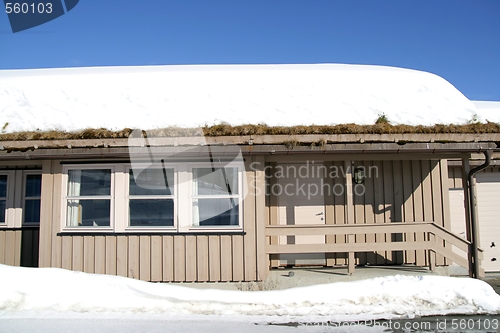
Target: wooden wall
403,191
10,247
160,257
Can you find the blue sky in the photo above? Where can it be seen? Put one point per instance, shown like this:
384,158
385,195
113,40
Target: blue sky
456,39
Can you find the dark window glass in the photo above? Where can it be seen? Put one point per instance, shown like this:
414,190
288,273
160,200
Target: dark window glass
215,212
89,213
151,212
33,185
152,182
3,206
3,186
89,182
32,211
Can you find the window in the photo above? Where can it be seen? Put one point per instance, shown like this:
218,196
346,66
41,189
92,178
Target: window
215,199
89,198
3,198
20,192
154,197
32,194
151,198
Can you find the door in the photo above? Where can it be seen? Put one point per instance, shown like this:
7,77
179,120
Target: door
300,202
488,214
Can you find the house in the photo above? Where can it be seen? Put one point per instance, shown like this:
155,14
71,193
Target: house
194,199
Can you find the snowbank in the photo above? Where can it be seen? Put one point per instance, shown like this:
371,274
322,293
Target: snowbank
191,96
41,289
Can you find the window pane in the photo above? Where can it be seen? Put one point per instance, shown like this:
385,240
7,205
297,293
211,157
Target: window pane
89,182
211,212
153,181
151,213
3,206
33,185
32,211
89,213
221,181
3,186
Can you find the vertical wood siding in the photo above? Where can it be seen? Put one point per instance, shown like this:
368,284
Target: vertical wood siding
181,258
395,191
10,247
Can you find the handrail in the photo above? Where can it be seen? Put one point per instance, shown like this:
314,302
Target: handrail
430,228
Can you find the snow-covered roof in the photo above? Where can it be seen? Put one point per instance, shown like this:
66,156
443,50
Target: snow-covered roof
487,110
151,97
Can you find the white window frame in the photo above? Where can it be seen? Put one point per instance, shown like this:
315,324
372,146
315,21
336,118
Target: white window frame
183,198
10,211
23,199
239,197
111,197
174,197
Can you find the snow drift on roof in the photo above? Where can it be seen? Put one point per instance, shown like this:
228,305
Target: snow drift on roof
487,110
191,96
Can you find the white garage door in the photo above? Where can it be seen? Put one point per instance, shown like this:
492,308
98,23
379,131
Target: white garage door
488,202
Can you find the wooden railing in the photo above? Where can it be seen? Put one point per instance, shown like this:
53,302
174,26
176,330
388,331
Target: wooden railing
438,241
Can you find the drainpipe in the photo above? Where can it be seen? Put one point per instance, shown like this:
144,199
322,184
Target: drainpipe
473,212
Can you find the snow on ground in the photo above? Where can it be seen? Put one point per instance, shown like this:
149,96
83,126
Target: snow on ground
62,291
191,96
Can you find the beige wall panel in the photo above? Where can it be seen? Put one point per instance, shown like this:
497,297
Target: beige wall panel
145,258
340,208
388,206
427,199
168,258
56,219
329,211
122,256
46,215
225,258
156,259
88,254
17,249
202,258
437,200
273,214
77,260
179,258
238,261
214,257
408,212
100,255
2,246
111,255
67,252
191,258
10,245
250,241
260,221
358,198
418,203
133,257
369,200
398,256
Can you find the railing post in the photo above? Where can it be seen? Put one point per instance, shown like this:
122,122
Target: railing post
431,253
350,260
